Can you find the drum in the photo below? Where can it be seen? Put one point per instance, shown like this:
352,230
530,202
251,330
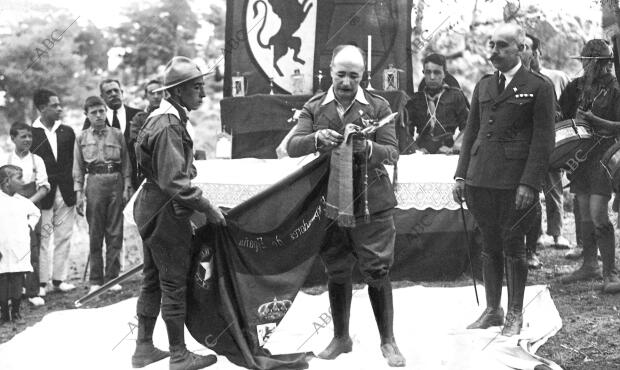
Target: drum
611,163
572,137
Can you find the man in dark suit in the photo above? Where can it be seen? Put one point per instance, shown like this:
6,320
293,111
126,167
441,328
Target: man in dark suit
53,141
320,128
502,165
154,96
119,115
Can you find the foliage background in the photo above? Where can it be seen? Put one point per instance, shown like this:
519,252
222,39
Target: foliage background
146,34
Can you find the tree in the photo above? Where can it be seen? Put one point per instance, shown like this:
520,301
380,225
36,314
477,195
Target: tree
93,45
36,55
154,35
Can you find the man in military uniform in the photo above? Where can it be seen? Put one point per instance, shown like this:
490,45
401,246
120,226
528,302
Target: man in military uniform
503,161
320,128
162,212
437,110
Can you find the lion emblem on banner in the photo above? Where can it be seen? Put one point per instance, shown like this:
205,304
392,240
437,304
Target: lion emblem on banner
281,39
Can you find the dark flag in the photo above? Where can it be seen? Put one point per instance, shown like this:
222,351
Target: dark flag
282,44
246,276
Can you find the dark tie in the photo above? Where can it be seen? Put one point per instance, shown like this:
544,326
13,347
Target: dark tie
501,83
115,122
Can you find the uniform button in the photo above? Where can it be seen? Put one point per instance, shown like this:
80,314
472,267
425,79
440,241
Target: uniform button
491,120
494,107
489,134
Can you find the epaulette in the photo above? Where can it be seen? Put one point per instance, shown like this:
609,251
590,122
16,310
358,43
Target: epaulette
541,76
317,96
375,95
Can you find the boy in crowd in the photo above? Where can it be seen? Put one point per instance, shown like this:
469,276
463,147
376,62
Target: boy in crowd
18,217
35,188
100,152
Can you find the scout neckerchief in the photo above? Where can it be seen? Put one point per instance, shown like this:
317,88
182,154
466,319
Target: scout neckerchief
586,103
432,101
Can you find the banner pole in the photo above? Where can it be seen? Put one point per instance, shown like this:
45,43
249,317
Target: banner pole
90,296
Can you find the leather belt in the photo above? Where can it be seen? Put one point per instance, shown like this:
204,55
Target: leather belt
103,168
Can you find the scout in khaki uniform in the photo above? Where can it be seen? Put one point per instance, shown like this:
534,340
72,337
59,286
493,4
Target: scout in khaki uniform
162,212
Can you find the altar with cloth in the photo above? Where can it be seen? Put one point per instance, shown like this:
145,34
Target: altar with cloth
430,240
258,123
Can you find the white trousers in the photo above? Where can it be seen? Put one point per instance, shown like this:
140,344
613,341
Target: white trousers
57,225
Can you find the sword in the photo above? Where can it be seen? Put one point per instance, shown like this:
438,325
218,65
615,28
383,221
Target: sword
471,266
90,296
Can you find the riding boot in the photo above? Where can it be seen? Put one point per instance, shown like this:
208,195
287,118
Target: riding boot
380,294
180,357
590,269
4,312
606,245
146,353
340,303
531,238
492,273
516,277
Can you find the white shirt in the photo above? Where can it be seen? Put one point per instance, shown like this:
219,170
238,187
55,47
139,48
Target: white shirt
511,73
17,216
33,168
122,117
330,96
50,134
342,110
559,78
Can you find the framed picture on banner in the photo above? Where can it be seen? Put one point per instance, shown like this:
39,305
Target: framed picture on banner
238,85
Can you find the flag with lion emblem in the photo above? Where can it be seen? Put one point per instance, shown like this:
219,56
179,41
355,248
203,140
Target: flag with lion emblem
269,41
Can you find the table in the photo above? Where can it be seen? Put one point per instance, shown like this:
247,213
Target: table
430,242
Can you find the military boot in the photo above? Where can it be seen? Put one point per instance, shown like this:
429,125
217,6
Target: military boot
606,245
380,294
492,272
590,269
340,303
516,277
5,317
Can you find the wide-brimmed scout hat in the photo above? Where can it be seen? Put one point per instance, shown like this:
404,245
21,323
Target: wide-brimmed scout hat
179,70
597,49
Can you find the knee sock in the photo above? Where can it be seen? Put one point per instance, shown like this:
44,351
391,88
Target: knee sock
146,326
176,335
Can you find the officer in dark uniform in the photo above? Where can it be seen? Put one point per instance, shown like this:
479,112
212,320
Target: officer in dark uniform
320,128
503,161
437,110
162,212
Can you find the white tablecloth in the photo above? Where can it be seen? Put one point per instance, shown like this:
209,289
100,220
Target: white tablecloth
424,181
